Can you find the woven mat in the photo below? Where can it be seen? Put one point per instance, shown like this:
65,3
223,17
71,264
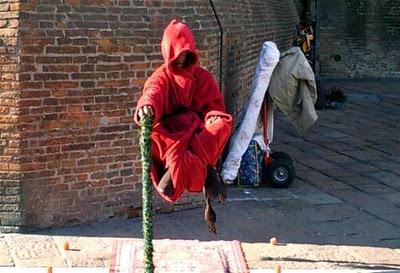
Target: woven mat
180,256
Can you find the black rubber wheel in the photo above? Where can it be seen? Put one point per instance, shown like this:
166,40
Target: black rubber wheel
279,155
280,173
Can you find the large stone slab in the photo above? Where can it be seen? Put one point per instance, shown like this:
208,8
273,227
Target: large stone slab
5,255
34,250
84,251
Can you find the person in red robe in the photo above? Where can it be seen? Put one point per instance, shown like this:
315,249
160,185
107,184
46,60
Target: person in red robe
190,124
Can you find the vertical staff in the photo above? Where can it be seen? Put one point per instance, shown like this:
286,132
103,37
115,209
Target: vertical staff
147,224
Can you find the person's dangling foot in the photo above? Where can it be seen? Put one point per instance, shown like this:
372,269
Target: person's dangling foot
214,188
210,217
165,185
213,185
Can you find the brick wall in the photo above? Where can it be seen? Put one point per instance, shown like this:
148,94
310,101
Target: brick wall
359,39
85,63
246,25
301,6
10,175
82,65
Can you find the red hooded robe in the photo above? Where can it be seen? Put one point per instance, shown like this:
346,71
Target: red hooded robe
182,100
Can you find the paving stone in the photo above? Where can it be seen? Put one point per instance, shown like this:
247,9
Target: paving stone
387,178
392,242
291,204
235,192
369,203
340,159
5,255
360,168
318,164
395,158
298,256
330,213
307,174
276,222
375,230
249,222
366,155
388,165
84,251
357,180
254,194
376,189
302,188
326,229
393,198
319,198
391,218
336,172
276,194
330,185
389,148
34,250
334,134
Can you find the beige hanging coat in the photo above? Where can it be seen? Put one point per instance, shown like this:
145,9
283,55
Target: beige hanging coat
293,89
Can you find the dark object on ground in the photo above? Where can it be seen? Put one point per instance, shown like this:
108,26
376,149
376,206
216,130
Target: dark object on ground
332,98
281,172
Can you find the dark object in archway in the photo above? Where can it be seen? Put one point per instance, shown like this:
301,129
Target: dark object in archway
332,98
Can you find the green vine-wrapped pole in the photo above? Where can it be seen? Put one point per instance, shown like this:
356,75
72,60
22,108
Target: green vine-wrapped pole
147,224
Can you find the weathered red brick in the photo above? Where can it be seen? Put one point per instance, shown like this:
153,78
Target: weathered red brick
4,7
82,146
61,85
60,68
53,60
37,41
63,50
15,6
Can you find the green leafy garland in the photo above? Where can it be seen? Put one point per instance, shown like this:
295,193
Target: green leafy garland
147,224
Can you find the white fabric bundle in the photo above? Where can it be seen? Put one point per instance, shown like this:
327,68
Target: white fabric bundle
269,58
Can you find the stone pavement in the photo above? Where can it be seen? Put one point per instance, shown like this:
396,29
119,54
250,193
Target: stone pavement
342,211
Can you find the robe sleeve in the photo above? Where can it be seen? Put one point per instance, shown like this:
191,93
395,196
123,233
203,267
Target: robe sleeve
214,104
154,94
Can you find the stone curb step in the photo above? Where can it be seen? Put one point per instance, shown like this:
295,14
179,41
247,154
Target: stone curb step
325,271
55,270
106,270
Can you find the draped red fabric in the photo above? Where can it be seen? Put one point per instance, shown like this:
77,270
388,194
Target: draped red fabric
183,99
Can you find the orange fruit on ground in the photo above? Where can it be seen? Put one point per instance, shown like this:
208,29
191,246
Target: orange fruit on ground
278,268
66,246
273,241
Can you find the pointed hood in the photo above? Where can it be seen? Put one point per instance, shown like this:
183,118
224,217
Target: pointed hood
177,38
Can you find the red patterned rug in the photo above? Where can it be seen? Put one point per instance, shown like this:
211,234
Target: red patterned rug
180,256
